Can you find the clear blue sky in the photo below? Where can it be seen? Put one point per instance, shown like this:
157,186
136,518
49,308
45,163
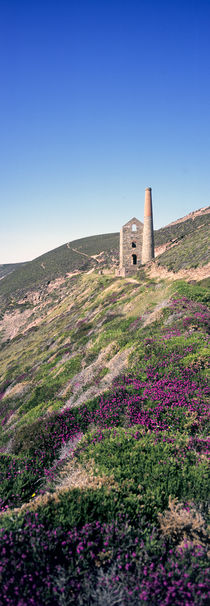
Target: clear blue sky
100,99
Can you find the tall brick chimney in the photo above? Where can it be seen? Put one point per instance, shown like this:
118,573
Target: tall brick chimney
148,233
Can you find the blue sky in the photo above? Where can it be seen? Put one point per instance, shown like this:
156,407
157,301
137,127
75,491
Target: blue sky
100,99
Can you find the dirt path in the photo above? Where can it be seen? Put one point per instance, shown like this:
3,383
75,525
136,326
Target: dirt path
159,250
85,254
80,253
200,273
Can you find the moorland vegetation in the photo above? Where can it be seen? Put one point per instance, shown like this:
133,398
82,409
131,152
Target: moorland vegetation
104,445
186,247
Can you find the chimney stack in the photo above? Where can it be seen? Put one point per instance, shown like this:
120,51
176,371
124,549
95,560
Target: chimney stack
148,233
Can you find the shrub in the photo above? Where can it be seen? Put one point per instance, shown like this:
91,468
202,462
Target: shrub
147,468
97,562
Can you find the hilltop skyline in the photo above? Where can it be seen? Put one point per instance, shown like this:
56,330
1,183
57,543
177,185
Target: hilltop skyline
99,101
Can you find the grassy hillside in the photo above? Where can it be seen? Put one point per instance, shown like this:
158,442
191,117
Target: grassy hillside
104,478
190,252
57,263
79,255
181,230
7,268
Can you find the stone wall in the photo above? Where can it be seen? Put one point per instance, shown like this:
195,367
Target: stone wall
131,236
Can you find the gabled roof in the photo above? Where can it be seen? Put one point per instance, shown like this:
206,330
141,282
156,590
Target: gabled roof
133,220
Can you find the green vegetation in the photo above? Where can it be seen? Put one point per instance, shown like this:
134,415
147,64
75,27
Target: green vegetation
190,252
7,268
194,292
57,263
190,236
106,485
148,470
181,230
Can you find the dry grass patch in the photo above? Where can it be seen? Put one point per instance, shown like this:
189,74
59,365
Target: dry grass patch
183,524
17,390
146,302
72,476
89,380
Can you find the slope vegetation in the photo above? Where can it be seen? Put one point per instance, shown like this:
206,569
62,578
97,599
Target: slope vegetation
182,227
189,235
104,477
8,268
73,256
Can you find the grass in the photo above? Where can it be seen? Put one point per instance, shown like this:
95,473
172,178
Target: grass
141,447
181,230
7,268
191,252
191,236
54,264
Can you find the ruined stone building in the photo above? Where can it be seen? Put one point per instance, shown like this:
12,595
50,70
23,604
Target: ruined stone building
137,240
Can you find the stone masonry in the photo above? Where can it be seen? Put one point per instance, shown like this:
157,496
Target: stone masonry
148,232
137,240
130,246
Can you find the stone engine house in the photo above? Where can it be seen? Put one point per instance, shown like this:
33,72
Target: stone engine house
131,238
137,240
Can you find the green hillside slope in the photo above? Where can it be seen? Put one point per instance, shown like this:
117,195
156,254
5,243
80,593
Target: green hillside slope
191,251
103,444
7,268
180,230
59,262
191,235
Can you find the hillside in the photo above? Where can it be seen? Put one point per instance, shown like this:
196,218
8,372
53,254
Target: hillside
8,268
191,251
103,432
73,256
182,227
103,251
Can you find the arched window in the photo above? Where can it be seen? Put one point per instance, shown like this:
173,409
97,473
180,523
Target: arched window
133,244
134,257
134,228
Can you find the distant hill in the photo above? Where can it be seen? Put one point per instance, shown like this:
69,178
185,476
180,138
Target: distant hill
73,256
8,268
181,244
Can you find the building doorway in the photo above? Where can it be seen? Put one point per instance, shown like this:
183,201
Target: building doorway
134,257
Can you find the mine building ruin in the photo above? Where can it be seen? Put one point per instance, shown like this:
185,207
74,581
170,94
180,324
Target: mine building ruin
137,240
